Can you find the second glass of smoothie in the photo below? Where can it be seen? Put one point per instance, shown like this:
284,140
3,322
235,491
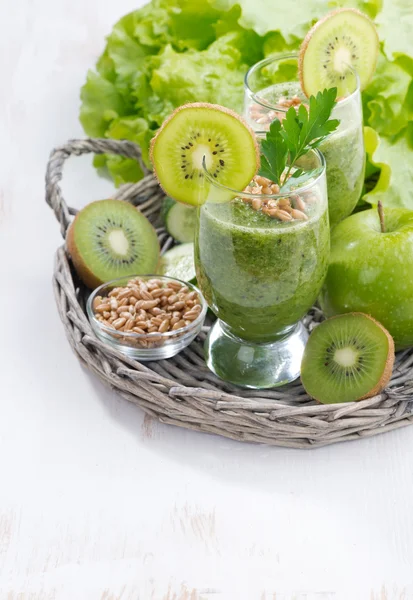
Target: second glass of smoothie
272,86
261,274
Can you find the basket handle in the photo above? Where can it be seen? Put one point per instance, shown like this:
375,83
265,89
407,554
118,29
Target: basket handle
54,172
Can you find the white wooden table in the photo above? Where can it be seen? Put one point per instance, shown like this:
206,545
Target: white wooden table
98,501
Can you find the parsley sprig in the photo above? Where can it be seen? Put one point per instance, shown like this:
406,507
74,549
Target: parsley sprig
300,131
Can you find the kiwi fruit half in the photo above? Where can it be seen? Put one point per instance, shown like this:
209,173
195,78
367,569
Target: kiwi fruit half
347,358
199,130
110,239
342,43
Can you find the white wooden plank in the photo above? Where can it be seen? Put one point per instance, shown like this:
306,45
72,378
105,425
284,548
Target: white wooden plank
98,501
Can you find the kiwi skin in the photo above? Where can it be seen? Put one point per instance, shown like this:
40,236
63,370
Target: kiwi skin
388,368
216,107
309,35
85,274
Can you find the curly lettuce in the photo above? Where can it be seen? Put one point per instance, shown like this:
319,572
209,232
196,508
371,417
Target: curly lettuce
171,52
156,59
392,159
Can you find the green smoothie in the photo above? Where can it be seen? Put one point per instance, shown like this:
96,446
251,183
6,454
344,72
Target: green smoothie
345,157
260,276
343,150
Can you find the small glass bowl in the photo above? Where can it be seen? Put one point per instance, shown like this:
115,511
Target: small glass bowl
148,346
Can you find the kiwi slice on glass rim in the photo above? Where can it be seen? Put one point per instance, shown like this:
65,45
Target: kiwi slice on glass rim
199,130
347,358
341,44
110,239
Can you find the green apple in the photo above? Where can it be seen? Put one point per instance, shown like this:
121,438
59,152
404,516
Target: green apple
371,270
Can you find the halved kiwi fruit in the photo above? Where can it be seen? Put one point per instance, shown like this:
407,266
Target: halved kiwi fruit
110,239
342,43
347,358
197,130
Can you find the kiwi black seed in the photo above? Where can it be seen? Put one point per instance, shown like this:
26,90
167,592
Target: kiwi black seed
189,171
341,44
110,239
198,132
347,358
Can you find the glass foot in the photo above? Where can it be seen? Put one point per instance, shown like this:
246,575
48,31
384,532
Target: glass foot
251,365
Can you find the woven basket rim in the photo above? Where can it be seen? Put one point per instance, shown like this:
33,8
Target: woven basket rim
182,391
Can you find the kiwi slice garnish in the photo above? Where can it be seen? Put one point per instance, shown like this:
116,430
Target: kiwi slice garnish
110,239
347,358
342,43
199,130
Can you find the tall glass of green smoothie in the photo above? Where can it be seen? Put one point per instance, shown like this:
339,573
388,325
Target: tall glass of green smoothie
260,261
272,86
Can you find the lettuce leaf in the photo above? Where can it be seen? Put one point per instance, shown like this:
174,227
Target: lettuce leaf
264,16
394,160
101,103
157,58
387,100
137,130
395,26
170,52
291,21
214,75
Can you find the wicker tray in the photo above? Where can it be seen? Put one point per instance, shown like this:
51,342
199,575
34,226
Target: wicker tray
182,391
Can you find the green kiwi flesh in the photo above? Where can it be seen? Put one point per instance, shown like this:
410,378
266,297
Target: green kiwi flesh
342,43
110,239
199,130
347,358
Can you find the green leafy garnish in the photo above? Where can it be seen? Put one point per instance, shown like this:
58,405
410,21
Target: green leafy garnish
300,131
274,153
